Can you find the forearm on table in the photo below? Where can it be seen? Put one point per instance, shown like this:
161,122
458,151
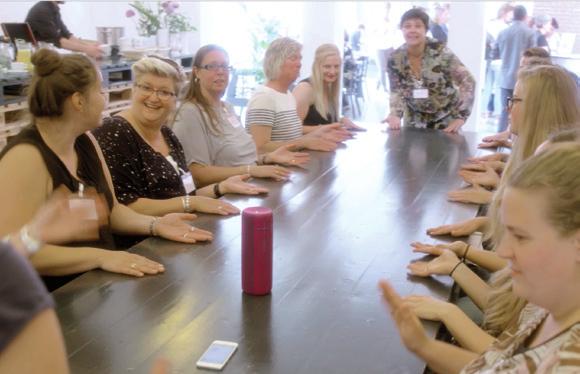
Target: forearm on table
60,260
273,145
443,357
126,221
207,174
465,331
153,207
472,284
486,259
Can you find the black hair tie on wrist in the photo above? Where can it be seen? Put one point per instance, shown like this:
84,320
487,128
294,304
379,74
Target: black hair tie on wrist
216,190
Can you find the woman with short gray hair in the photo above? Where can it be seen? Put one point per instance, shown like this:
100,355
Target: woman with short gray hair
272,118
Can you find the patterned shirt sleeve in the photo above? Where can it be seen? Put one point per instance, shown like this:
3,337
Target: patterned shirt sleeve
121,152
394,69
465,84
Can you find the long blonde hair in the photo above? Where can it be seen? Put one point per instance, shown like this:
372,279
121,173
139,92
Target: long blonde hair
326,96
551,103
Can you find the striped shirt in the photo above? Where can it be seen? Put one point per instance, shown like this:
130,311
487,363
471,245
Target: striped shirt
268,107
508,354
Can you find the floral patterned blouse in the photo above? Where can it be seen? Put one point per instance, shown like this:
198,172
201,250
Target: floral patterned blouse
451,87
508,354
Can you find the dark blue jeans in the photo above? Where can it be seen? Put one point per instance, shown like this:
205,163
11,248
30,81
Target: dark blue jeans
504,118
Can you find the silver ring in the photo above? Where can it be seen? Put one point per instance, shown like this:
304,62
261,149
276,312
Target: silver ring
192,229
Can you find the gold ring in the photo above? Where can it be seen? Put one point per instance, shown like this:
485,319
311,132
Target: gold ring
220,207
133,265
293,161
192,229
185,235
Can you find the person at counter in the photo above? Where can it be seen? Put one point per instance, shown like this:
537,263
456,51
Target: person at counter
430,86
47,25
65,99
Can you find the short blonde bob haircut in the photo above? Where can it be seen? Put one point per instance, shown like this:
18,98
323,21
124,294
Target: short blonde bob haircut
278,51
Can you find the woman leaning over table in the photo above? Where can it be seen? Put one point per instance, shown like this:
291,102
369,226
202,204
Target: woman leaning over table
317,97
66,100
540,212
272,119
215,143
145,157
430,86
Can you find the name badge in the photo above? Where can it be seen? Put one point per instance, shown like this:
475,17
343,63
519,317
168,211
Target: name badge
234,121
86,205
420,93
188,183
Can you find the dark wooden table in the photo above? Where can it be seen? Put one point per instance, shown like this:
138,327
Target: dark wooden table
341,224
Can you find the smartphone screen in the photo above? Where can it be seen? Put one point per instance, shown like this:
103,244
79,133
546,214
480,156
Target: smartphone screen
217,355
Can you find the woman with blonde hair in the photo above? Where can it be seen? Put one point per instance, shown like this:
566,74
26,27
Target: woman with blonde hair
272,118
145,158
66,101
532,124
317,97
545,100
215,143
540,214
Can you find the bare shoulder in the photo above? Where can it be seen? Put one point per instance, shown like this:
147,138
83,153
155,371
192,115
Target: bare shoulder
23,159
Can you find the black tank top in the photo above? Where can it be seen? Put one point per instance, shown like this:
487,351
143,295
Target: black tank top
313,118
90,172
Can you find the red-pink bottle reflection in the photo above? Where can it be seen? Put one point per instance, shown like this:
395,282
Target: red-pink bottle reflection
257,250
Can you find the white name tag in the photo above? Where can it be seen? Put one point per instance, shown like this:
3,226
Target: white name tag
234,121
420,93
188,183
86,205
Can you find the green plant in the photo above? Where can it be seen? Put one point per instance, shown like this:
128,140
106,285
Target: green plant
164,16
264,32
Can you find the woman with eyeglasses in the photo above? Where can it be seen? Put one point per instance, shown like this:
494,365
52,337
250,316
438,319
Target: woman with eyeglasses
540,216
545,100
145,158
66,101
215,143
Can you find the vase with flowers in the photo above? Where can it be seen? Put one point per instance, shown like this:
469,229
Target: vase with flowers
160,21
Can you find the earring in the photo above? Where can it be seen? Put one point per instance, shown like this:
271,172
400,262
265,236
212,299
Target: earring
196,79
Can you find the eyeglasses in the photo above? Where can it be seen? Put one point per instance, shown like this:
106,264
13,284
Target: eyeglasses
148,91
512,100
216,67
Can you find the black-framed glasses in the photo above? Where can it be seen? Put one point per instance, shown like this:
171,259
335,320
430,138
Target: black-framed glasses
512,100
216,67
148,91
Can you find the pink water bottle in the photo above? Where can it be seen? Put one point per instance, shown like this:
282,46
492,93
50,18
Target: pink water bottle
257,250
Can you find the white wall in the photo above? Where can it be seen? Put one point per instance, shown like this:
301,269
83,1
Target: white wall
83,17
467,41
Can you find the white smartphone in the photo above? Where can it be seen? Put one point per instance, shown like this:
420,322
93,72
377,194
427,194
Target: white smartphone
217,355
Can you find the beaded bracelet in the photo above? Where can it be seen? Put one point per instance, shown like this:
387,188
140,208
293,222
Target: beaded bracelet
152,224
455,267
